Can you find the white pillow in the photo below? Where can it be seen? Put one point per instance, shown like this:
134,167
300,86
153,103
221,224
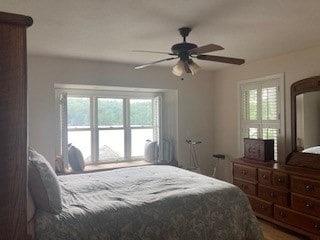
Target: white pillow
315,150
151,151
43,184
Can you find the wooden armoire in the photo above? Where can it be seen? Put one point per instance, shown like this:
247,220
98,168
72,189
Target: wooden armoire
13,126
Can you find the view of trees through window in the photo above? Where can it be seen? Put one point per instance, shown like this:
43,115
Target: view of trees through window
79,111
110,112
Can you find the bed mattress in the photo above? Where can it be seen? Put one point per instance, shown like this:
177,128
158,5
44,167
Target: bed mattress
149,202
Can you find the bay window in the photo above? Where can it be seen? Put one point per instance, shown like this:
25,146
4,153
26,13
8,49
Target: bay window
107,126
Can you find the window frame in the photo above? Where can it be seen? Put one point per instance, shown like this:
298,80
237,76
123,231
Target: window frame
264,82
94,95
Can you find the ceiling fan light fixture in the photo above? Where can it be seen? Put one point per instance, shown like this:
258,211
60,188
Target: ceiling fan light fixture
186,50
194,68
178,69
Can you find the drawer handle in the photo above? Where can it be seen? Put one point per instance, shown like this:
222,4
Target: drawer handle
309,187
317,226
264,176
280,180
272,194
262,207
244,172
282,214
244,187
308,205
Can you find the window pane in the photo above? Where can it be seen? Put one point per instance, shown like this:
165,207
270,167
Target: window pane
111,145
269,103
78,112
140,112
250,132
250,104
138,140
110,112
253,132
82,141
271,133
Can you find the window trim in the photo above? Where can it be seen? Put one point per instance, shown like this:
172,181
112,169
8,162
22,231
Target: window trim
280,77
105,92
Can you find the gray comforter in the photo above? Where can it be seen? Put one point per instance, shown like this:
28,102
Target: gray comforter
150,202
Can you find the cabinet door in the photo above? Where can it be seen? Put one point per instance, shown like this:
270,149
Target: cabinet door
247,187
280,180
273,195
264,176
305,204
260,206
245,172
299,220
305,186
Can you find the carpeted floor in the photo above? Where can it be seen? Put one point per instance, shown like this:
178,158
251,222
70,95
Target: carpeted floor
273,232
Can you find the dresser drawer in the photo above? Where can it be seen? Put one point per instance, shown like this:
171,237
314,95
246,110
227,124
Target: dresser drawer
261,206
280,180
273,195
264,176
305,186
299,220
305,204
245,172
247,187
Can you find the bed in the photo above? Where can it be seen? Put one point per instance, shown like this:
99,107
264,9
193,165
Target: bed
147,202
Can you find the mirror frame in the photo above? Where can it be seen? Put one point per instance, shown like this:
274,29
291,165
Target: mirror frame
311,84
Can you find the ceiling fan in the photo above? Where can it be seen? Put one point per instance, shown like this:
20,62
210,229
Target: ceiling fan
186,51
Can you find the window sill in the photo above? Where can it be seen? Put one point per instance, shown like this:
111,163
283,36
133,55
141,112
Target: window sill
107,166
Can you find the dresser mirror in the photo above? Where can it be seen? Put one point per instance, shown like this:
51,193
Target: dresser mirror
305,120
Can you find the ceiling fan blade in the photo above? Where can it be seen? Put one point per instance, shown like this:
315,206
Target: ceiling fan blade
148,64
237,61
146,51
205,48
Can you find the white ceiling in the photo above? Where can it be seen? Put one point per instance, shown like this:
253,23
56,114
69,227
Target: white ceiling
109,29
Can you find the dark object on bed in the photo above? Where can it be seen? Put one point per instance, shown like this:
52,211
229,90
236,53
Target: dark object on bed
259,149
149,202
75,157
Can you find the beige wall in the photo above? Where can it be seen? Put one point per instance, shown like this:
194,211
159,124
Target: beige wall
207,104
295,66
191,115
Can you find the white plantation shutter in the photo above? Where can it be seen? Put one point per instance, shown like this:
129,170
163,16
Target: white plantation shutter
260,109
269,103
157,135
63,127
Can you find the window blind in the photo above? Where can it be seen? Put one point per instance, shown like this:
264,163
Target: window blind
260,110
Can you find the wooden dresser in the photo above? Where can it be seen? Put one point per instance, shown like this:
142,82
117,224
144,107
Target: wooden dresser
13,126
288,196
